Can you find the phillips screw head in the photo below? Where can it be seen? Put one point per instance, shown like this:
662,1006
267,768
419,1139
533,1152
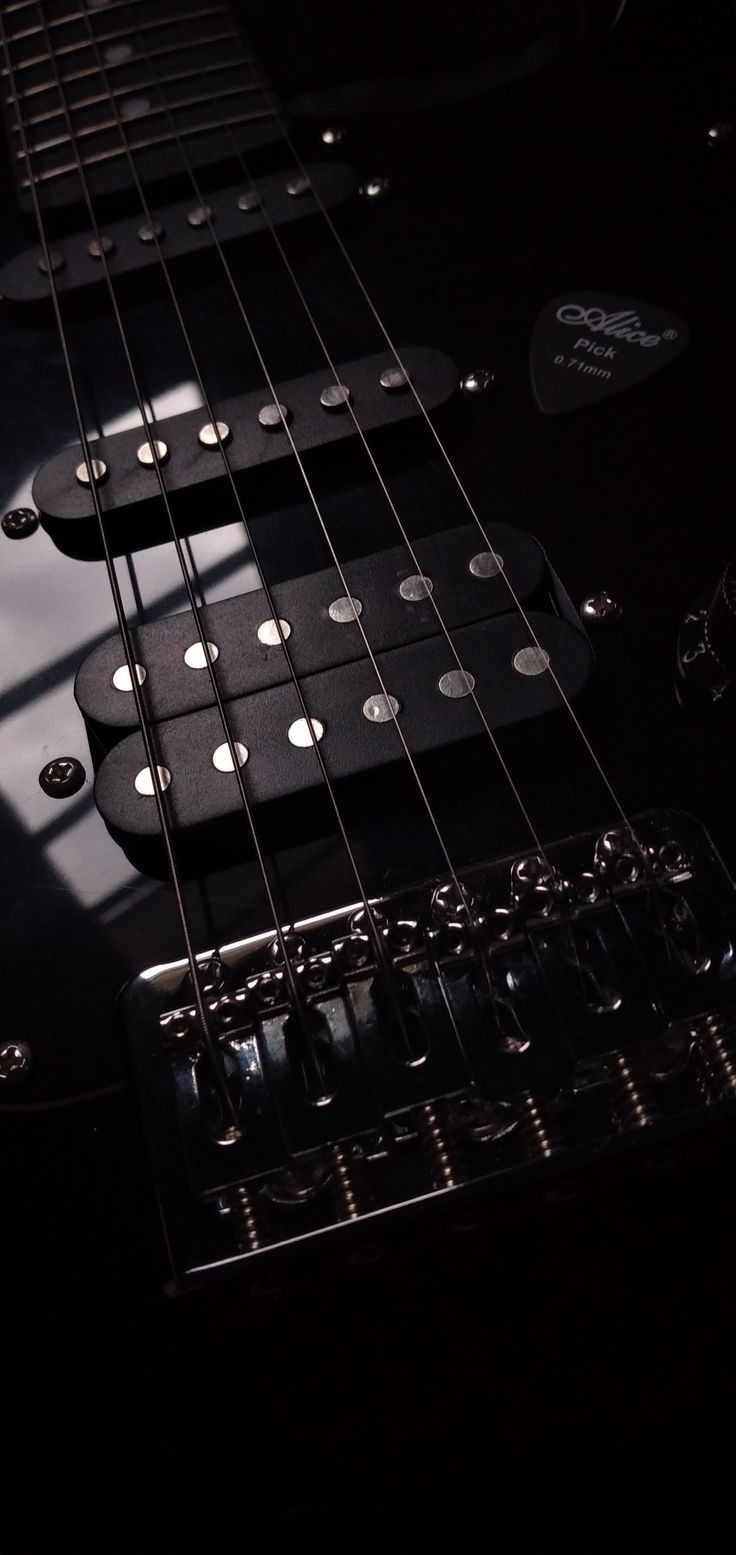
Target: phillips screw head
15,1063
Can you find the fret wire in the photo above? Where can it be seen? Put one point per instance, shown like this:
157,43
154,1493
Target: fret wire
124,32
65,21
139,86
140,118
94,70
24,5
98,157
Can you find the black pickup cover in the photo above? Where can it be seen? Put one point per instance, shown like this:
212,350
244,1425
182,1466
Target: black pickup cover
316,642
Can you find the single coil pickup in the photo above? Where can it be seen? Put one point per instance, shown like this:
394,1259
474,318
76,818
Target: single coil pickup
434,704
388,599
182,230
190,456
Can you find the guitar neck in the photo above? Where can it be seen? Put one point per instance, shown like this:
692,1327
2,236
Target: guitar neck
79,83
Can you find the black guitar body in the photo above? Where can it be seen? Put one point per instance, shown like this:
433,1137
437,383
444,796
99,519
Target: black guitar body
549,209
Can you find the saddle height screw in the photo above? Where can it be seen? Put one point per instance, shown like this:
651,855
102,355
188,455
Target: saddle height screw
478,382
600,608
15,1063
62,777
20,523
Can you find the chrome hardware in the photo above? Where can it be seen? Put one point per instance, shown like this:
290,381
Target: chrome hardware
342,1182
478,382
374,188
431,1025
715,1039
600,608
15,1064
633,1101
432,1134
245,1219
539,1127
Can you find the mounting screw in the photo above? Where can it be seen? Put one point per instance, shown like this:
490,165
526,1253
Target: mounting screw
332,135
601,608
718,134
478,382
373,188
15,1063
20,523
62,777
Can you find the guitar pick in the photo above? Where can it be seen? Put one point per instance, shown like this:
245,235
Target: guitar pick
590,345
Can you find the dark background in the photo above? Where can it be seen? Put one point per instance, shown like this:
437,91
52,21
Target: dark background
574,1353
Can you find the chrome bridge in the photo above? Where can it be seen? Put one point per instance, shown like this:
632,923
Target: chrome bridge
442,1042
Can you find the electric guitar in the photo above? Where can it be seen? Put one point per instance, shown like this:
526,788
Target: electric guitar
367,645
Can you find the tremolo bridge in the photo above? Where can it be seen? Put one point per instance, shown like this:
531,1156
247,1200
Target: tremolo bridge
559,1004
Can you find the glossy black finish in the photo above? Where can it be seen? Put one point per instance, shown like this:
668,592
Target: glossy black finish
600,175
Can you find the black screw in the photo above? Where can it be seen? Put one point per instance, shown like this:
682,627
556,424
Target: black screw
20,523
63,777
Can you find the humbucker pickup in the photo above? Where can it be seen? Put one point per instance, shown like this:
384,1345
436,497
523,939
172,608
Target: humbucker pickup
182,230
388,598
251,431
434,701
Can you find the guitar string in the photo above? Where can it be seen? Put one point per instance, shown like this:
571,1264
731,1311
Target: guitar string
371,924
332,366
370,918
409,546
465,496
449,463
304,476
198,193
295,992
233,1131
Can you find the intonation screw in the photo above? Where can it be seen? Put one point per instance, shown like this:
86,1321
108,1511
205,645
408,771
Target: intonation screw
20,523
245,1220
540,1134
716,1057
633,1102
62,777
15,1063
600,608
432,1133
478,382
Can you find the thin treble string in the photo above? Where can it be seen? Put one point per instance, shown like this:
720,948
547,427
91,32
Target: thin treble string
449,462
450,867
289,973
375,934
234,1129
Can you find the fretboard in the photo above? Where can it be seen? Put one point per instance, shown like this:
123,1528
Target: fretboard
171,70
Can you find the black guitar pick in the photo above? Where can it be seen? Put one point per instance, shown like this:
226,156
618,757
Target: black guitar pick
590,345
